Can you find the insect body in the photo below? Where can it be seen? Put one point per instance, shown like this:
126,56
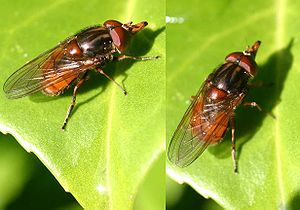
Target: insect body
68,63
212,109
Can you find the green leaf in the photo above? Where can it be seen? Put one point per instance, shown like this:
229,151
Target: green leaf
268,149
111,140
152,192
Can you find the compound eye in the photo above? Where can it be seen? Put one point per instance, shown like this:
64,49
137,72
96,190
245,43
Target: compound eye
234,57
112,24
118,34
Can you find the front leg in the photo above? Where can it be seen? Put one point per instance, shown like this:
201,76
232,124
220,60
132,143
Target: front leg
254,104
111,79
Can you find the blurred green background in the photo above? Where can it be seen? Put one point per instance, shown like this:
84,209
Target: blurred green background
182,196
27,184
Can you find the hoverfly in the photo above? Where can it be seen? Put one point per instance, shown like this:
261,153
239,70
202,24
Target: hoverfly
69,62
212,109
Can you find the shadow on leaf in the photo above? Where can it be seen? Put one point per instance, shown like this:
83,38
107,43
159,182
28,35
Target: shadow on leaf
294,203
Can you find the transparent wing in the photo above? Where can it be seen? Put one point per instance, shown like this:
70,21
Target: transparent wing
190,139
51,67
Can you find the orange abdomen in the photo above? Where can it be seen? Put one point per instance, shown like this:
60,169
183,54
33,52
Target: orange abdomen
59,87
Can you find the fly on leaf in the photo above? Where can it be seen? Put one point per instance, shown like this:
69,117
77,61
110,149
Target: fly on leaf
212,109
69,62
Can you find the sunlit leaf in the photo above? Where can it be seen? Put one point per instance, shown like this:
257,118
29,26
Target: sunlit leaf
151,194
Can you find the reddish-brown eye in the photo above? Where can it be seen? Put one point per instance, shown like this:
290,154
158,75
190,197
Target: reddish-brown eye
110,24
245,61
118,34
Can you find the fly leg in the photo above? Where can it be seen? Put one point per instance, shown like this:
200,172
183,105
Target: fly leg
108,77
233,149
254,104
122,57
78,84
